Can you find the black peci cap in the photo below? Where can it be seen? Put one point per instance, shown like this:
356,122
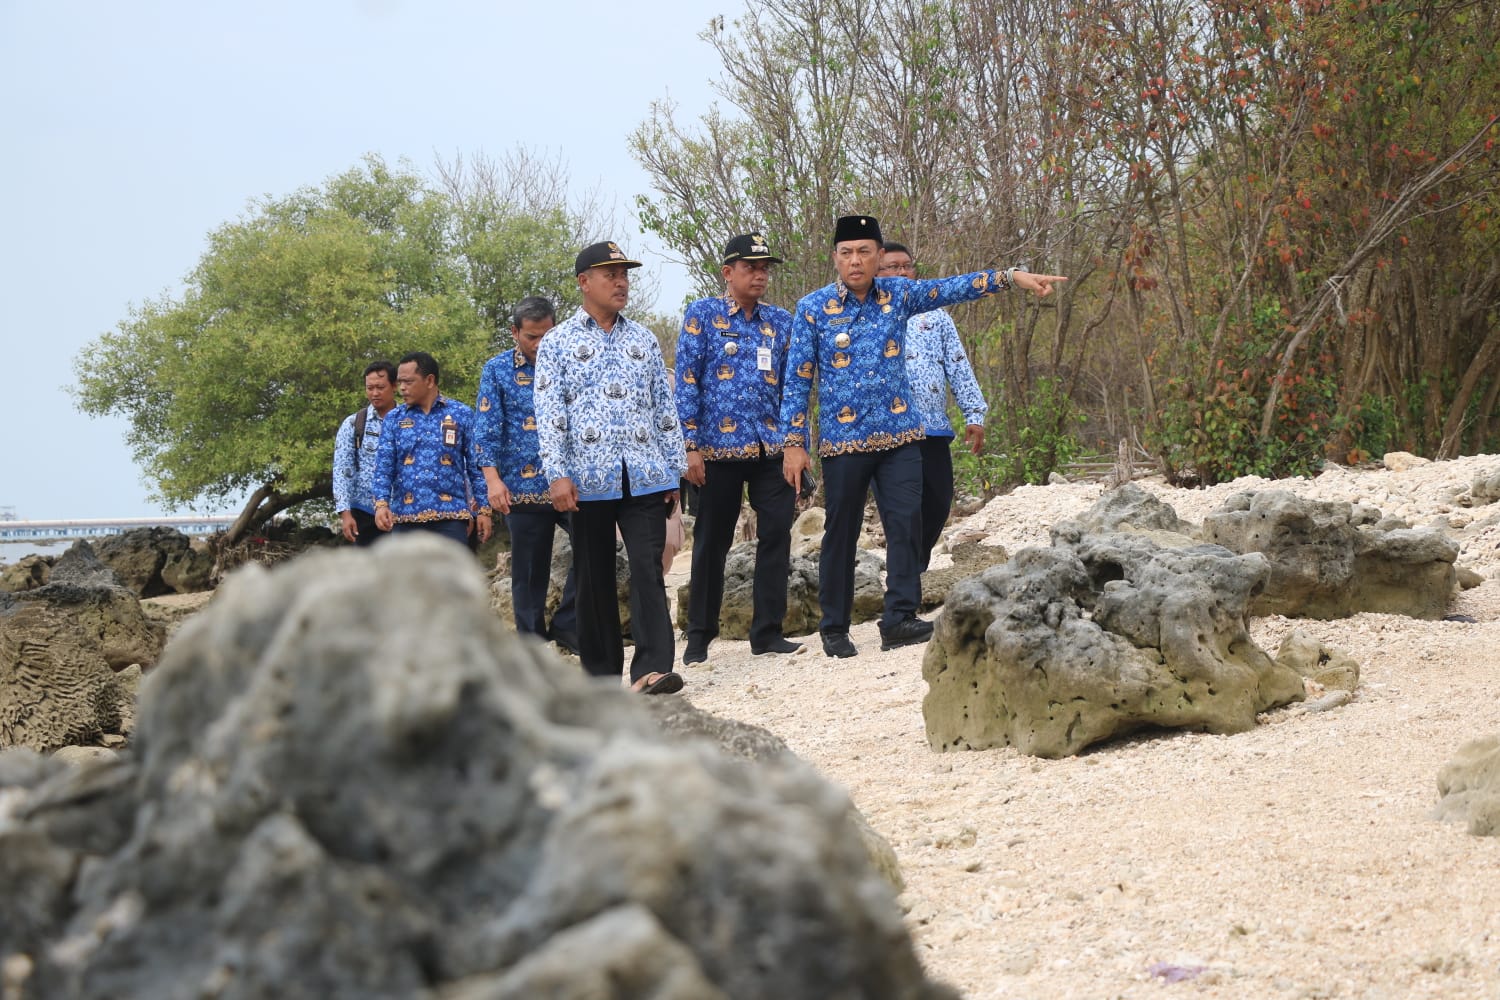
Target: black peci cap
750,247
602,255
857,227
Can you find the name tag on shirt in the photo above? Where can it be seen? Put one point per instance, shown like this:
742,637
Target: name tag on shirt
763,359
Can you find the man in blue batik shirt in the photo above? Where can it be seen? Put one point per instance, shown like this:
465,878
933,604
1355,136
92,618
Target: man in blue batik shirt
354,452
935,359
851,336
427,474
731,364
611,449
505,427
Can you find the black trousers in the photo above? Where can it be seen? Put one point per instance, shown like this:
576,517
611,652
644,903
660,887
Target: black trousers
937,494
642,522
364,523
458,530
531,530
897,476
719,502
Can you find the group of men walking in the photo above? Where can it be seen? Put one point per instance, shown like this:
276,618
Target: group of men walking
580,425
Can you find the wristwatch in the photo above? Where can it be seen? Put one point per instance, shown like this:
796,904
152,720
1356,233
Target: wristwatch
1010,274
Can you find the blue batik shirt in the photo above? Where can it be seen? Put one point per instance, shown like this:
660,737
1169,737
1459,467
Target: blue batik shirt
505,426
856,350
428,466
354,471
730,370
935,359
604,406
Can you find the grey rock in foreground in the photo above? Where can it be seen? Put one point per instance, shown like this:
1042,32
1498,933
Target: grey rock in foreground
1332,560
681,718
1099,635
329,796
1469,787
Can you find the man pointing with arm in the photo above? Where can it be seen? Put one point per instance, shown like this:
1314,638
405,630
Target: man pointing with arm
850,337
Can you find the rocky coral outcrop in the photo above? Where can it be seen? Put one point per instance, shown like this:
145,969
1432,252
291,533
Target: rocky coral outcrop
26,573
338,797
755,743
1320,663
60,648
802,610
1097,636
969,559
1335,559
1469,787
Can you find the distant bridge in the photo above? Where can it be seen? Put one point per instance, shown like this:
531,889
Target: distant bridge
40,531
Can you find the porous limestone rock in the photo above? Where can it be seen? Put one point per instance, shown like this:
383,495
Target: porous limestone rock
1320,663
1334,559
138,555
970,558
807,531
334,796
27,573
60,648
1095,637
802,610
681,718
1485,486
1403,461
1469,787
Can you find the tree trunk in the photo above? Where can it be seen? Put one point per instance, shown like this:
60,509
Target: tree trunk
265,503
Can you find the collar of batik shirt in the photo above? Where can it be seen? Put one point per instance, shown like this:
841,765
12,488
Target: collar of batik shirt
732,306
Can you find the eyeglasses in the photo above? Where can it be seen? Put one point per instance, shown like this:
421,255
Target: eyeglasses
910,267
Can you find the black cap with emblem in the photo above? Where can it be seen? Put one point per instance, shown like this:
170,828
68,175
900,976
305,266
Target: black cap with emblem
602,255
749,247
857,227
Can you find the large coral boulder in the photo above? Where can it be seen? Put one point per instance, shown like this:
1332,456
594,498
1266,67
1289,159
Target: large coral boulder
1469,787
970,558
60,648
27,573
340,797
1334,559
1095,637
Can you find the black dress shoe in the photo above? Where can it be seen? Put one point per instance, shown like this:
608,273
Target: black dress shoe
567,640
694,654
906,632
838,644
780,644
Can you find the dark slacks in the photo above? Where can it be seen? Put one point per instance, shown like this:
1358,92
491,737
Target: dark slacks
642,522
456,530
531,532
719,501
897,476
364,523
937,494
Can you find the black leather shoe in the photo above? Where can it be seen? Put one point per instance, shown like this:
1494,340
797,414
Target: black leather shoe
780,644
567,640
838,644
694,654
906,632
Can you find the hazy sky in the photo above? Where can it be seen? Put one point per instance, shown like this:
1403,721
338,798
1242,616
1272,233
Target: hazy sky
134,129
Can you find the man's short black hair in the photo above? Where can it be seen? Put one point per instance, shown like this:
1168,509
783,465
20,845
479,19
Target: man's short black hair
891,246
384,367
533,308
426,364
